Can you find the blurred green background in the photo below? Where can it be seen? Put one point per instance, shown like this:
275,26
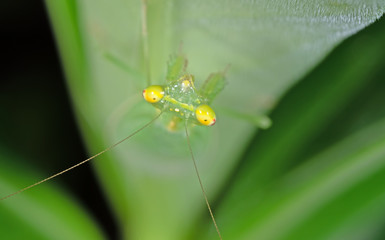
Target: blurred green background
317,173
38,129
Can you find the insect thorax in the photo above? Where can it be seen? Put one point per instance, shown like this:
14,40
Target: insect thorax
181,98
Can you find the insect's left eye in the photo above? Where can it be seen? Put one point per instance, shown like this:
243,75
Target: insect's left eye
153,94
205,115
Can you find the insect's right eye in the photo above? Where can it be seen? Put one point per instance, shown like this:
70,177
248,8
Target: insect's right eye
205,115
153,94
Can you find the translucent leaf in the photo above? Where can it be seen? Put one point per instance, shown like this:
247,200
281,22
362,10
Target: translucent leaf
342,95
270,44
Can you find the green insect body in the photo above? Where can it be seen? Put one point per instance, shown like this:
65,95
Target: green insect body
180,97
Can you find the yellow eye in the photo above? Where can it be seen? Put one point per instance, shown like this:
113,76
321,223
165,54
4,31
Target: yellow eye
153,94
205,115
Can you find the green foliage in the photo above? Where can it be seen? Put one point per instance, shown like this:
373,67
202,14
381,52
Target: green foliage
315,174
44,214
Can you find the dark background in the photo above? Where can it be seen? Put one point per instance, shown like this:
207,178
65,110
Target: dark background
36,120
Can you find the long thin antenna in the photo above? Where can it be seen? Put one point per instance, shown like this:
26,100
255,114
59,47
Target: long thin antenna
145,41
200,182
88,159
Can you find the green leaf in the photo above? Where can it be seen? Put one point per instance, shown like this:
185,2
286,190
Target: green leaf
323,108
43,213
336,195
150,180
